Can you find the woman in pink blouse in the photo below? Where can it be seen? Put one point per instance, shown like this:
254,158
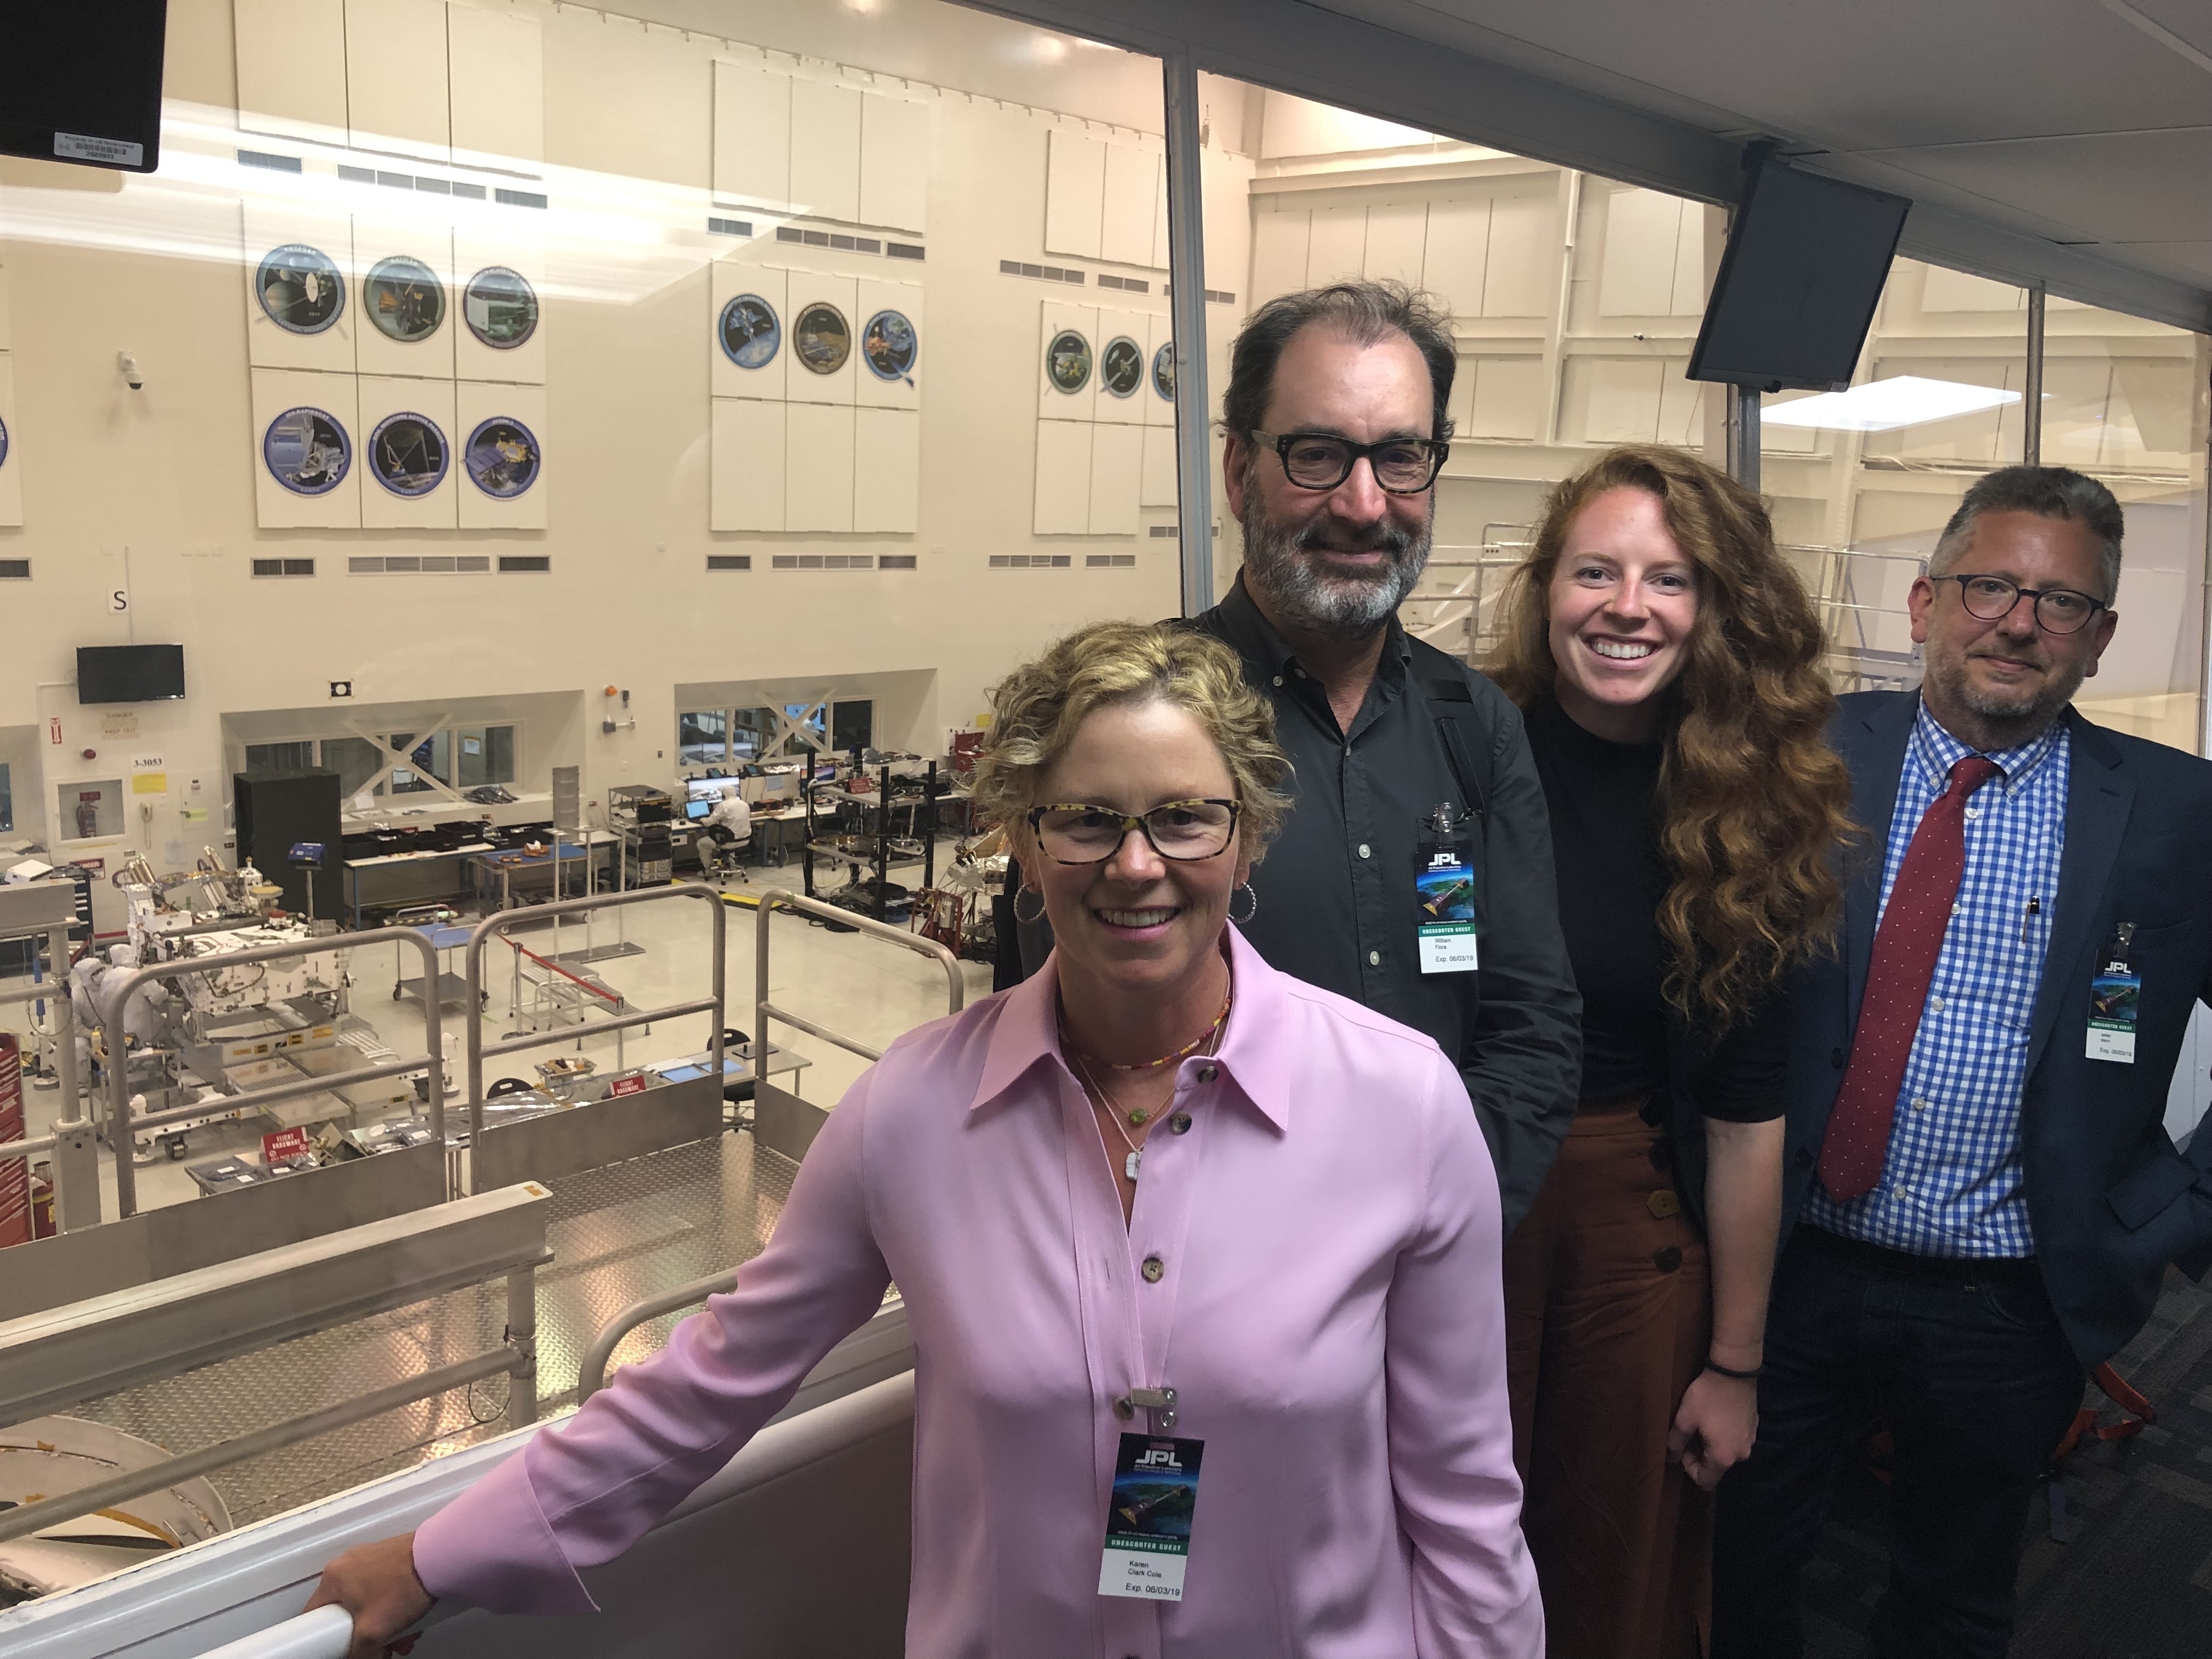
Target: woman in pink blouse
1157,1206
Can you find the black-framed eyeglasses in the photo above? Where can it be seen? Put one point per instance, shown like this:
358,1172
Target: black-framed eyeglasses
1074,832
2058,610
1321,460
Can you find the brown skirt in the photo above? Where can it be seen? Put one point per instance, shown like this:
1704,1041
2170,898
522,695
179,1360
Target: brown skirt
1608,1310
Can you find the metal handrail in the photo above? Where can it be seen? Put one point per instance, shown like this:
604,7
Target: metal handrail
494,926
764,1010
591,1374
325,1633
118,1001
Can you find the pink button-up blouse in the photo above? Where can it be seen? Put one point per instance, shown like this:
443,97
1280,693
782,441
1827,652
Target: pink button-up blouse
1327,1305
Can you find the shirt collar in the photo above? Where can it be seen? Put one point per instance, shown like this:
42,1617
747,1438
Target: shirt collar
1938,752
1027,1035
1246,627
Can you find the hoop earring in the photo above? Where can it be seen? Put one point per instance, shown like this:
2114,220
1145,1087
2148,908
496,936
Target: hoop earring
1022,892
1253,910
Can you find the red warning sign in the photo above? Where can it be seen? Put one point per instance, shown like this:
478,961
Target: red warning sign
285,1147
627,1086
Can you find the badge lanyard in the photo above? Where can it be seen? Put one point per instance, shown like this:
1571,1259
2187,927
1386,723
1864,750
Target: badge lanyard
1443,883
2115,997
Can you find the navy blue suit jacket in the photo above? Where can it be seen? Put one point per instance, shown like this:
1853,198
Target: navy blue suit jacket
2110,1200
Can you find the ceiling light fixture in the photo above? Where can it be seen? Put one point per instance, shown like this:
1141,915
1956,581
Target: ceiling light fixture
1885,405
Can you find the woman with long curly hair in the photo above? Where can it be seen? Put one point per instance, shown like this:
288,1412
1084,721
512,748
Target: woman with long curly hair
1666,661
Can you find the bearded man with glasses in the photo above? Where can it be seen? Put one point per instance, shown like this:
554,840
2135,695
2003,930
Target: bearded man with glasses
1977,1158
1336,431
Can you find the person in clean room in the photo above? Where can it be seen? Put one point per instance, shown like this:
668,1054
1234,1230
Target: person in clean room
1667,661
1336,432
1202,1263
1985,1195
726,832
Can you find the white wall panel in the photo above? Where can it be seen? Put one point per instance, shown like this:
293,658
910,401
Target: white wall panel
1395,234
496,71
1689,297
1681,406
1159,334
497,261
292,287
1156,485
6,317
1455,254
400,299
1339,246
1610,400
1279,240
1074,193
1642,233
292,68
1524,255
747,468
336,507
818,468
1506,398
752,134
1954,290
895,163
1062,505
734,277
1125,227
1116,466
1160,212
826,151
407,454
870,389
397,96
500,431
802,384
1053,404
11,463
886,471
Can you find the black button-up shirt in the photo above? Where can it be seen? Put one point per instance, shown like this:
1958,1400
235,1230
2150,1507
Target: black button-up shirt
1337,902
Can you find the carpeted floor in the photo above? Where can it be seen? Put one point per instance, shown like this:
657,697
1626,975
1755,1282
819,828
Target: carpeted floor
2135,1580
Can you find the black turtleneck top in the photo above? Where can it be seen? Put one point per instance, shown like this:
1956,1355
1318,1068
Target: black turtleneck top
1603,798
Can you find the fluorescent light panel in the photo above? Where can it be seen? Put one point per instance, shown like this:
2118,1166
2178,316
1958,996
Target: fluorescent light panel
1885,406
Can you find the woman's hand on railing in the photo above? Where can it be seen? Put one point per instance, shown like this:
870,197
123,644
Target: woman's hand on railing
376,1583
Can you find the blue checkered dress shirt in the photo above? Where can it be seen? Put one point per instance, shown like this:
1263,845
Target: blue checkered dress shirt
1951,1186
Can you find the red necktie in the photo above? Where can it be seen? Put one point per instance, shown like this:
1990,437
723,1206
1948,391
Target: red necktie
1906,947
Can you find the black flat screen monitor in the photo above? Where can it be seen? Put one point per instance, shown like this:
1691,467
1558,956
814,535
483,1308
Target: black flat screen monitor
1806,260
130,673
81,83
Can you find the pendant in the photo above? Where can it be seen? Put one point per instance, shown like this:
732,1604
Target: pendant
1138,1117
1131,1164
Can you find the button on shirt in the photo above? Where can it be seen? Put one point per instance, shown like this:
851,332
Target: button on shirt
1338,906
1314,1266
1951,1183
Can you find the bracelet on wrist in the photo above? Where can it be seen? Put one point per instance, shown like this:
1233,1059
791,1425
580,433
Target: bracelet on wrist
1719,1369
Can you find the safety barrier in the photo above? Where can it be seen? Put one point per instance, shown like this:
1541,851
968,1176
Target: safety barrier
781,1120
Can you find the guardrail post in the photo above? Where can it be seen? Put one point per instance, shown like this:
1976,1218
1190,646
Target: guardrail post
522,1336
76,1150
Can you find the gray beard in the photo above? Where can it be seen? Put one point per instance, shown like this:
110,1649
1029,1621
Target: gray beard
2018,716
1276,562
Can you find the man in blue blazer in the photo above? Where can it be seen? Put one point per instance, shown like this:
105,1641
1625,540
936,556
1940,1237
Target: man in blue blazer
1983,1194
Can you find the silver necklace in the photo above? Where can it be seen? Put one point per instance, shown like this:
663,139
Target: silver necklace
1135,1161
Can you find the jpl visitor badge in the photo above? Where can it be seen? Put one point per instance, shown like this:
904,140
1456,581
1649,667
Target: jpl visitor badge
2114,996
1148,1518
1445,885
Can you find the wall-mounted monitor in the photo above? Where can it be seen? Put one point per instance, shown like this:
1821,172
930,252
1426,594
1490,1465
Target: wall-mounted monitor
81,83
1807,257
130,673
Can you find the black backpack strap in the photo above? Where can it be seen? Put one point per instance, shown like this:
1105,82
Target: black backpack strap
1453,704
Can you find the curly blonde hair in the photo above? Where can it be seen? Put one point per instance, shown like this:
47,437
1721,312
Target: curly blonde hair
1753,801
1035,712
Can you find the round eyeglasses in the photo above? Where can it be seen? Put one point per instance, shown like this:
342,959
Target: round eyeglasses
1320,460
2058,610
1072,832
